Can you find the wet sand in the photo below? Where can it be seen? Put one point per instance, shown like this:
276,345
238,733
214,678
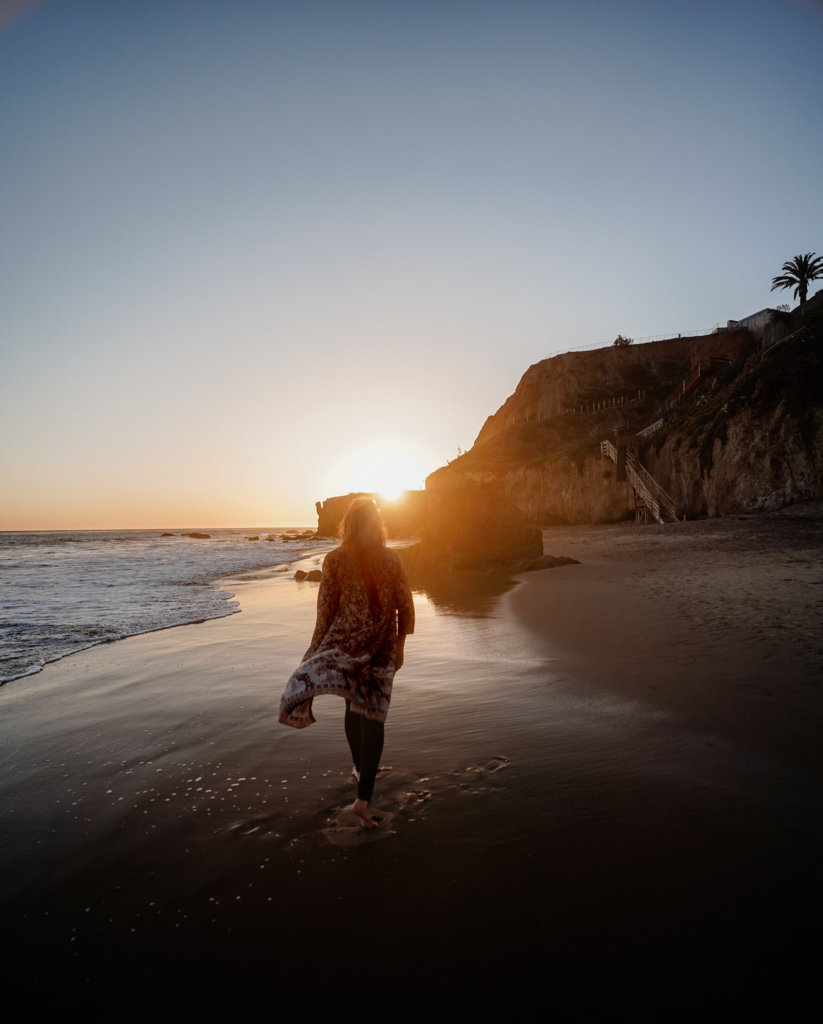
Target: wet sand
601,787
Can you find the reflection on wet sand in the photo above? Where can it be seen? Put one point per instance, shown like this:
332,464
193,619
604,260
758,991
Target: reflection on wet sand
462,592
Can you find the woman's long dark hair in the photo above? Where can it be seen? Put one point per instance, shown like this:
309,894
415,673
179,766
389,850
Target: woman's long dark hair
364,534
362,527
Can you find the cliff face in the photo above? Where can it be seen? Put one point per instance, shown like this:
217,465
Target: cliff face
756,444
633,375
546,470
541,448
759,464
747,436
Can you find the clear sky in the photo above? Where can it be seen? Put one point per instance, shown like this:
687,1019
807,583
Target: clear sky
251,250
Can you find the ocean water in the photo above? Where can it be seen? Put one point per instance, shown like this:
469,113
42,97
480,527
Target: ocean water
63,592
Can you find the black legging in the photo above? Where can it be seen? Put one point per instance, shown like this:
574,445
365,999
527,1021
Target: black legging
365,737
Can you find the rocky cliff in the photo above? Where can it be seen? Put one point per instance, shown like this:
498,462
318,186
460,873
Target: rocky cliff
472,526
626,375
735,429
754,443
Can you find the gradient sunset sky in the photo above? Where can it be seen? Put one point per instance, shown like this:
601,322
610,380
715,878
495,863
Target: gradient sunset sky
251,250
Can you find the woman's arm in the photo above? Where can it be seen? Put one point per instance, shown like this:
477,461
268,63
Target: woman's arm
399,652
327,600
405,614
405,603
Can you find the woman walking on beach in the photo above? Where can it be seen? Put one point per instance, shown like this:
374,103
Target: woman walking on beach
364,613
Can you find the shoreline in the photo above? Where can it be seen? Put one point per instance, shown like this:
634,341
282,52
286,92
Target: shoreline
222,584
555,805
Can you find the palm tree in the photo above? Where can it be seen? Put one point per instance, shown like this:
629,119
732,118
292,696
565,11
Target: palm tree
799,273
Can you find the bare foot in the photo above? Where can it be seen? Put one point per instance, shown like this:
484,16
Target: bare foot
361,809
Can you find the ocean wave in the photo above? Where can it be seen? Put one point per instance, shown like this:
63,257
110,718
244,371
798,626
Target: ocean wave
107,586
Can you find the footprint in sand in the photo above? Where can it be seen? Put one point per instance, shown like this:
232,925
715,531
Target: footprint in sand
477,778
346,829
409,799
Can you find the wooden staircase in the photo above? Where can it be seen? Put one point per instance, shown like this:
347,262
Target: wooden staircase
649,496
698,374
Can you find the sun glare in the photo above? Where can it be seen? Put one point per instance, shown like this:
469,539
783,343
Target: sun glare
386,467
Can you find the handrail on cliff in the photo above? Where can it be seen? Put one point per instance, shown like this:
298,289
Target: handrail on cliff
580,408
663,499
654,497
697,375
651,429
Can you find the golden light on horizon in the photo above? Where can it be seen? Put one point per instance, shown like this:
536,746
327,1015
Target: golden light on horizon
386,467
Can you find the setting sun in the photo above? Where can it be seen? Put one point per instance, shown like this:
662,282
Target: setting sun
387,467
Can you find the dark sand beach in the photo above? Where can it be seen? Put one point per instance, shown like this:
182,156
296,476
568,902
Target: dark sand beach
601,794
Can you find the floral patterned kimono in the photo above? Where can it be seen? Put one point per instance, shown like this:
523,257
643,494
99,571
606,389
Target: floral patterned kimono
364,602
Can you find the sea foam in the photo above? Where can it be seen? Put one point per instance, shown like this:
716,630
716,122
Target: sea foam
63,592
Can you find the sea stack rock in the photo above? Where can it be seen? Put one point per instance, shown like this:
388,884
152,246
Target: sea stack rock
475,527
331,512
403,516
